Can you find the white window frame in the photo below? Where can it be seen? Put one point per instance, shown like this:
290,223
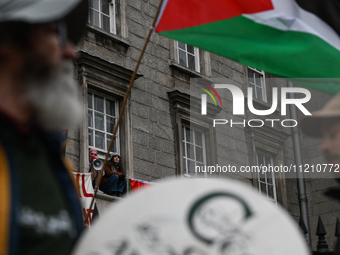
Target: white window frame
195,55
102,152
266,174
185,154
111,16
261,86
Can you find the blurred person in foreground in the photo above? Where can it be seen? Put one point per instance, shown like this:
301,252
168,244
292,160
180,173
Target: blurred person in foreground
40,211
325,123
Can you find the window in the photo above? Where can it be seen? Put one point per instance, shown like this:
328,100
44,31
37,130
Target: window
193,151
102,117
266,180
188,56
256,80
102,15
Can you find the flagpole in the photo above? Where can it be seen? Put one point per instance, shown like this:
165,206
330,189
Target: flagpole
123,107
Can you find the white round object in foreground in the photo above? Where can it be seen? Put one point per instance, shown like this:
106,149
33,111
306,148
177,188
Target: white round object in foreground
194,217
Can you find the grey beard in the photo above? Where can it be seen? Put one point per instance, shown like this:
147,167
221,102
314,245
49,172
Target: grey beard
55,99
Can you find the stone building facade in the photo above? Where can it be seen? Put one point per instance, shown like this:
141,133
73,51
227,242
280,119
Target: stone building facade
163,132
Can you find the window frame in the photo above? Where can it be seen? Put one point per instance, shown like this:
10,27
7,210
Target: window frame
262,86
266,183
195,55
185,154
102,152
111,16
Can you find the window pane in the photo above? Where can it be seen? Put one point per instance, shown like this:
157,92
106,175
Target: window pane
198,138
105,23
181,45
263,189
89,100
191,168
184,152
253,89
262,177
258,78
267,160
98,103
185,168
191,62
105,7
260,159
190,151
90,137
183,130
99,121
94,18
259,93
189,135
182,58
199,154
108,140
190,49
251,76
110,124
94,4
99,140
110,107
90,118
270,191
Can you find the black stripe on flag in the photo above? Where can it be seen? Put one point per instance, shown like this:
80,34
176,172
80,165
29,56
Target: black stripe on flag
327,10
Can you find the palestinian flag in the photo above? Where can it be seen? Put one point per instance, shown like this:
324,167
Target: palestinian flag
135,184
291,39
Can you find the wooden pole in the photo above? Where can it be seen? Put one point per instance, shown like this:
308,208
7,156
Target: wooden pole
122,109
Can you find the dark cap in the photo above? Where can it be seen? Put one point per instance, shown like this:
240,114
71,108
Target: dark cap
74,12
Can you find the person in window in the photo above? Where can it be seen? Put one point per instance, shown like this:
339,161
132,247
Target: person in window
113,182
93,154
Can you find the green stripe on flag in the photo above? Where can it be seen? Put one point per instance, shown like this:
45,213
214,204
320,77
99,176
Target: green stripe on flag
282,53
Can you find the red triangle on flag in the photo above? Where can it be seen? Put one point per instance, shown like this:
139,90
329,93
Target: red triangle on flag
180,14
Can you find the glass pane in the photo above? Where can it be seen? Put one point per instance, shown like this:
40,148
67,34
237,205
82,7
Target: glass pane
99,103
262,177
199,154
110,107
90,137
267,160
184,152
269,178
110,124
181,45
108,140
191,168
189,135
270,191
183,130
260,159
105,7
263,189
258,79
200,170
185,168
259,93
190,151
94,4
253,89
251,76
106,23
90,118
182,58
190,49
198,138
89,100
191,62
99,121
94,18
99,140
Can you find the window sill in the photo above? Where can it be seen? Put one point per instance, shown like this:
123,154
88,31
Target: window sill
110,36
185,70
